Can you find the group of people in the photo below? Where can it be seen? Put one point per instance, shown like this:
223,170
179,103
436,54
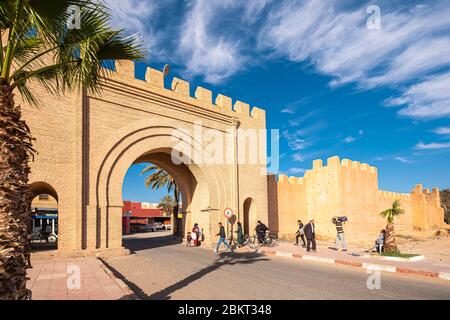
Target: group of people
195,237
308,231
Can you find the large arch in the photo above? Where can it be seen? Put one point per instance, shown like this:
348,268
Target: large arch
202,188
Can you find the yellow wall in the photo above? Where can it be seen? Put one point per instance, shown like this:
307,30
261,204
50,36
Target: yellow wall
346,188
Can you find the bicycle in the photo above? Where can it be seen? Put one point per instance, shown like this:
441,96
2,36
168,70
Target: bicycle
254,242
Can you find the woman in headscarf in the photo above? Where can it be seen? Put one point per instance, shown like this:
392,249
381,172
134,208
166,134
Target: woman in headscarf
240,234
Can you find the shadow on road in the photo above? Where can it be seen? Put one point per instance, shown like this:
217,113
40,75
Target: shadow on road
139,244
224,258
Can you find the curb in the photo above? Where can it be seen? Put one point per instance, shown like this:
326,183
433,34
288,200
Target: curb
127,291
367,266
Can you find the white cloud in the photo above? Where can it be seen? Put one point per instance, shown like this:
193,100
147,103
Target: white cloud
298,157
429,99
206,53
442,130
288,110
349,139
296,170
217,39
339,44
404,160
432,146
135,16
295,142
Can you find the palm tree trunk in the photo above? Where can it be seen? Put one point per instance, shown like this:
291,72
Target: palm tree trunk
176,222
389,242
15,199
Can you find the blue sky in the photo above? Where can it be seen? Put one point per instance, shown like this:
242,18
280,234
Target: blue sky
331,85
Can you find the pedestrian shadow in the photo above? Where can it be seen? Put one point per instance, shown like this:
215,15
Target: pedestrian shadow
140,244
138,292
224,258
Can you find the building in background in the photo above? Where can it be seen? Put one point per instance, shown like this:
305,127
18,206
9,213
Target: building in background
143,216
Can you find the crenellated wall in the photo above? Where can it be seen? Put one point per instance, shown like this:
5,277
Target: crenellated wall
347,188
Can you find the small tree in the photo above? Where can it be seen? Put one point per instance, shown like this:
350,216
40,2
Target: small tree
389,214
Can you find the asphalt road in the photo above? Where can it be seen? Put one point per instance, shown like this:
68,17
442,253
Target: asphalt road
162,268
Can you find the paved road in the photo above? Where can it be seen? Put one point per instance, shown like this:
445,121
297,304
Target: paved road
162,268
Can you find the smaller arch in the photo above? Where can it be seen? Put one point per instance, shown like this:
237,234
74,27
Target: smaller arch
43,183
249,211
40,187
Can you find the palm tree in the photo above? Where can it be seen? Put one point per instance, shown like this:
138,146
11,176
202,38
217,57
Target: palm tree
160,178
389,215
39,49
167,204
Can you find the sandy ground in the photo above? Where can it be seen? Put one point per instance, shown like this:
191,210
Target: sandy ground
431,245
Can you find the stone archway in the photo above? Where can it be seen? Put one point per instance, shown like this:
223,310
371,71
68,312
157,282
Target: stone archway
45,213
201,187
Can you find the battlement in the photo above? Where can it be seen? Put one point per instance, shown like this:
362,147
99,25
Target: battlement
418,189
335,162
124,70
394,195
290,179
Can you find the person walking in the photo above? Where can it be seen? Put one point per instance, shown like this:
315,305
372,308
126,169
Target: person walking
222,238
340,235
310,234
240,234
300,234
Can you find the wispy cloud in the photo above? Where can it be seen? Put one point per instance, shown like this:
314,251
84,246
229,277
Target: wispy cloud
404,160
207,51
429,99
288,110
350,139
295,170
295,141
432,146
218,39
136,17
339,44
442,130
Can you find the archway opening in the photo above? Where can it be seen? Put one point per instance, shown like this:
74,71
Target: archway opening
44,219
249,211
158,197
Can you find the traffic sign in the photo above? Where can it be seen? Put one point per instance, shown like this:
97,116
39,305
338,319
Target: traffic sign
228,213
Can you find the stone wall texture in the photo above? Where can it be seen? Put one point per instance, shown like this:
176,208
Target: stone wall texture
346,188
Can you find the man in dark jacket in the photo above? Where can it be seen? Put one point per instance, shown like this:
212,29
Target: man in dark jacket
261,229
222,238
310,234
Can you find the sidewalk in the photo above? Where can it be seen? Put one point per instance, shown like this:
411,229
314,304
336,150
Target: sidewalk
424,267
48,280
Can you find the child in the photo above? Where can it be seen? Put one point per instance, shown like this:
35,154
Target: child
379,243
189,239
